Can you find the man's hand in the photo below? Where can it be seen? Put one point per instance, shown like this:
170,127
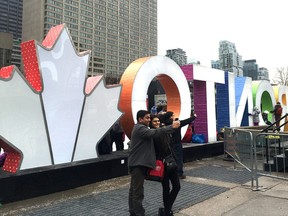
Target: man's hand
176,124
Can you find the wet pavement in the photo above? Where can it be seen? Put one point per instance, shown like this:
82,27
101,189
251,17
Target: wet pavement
213,187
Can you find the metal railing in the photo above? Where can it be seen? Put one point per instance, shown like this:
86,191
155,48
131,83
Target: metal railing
238,144
272,126
272,153
260,150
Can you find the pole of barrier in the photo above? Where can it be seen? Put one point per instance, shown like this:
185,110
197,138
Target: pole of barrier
266,147
254,159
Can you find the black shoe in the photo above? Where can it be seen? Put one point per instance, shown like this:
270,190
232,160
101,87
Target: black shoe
168,214
161,212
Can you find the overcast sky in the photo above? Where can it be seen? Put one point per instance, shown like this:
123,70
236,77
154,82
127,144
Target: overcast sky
258,28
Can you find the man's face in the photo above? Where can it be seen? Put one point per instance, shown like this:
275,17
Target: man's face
145,120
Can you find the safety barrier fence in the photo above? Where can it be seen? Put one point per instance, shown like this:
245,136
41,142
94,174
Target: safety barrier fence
261,153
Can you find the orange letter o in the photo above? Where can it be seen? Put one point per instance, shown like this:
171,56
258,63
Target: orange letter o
135,82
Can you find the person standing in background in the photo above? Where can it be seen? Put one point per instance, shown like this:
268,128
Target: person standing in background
255,114
117,136
277,111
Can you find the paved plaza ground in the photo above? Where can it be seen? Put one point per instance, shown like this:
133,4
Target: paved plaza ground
213,187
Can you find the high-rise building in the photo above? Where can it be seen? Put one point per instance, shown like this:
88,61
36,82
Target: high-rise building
11,22
215,64
229,58
116,31
263,74
6,45
178,55
250,69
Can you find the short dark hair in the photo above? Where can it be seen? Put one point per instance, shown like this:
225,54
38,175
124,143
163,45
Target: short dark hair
141,114
166,118
154,116
159,108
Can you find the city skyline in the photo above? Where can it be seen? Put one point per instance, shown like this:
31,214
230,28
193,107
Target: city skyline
197,27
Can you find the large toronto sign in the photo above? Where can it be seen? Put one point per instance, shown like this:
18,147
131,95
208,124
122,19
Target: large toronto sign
223,100
56,114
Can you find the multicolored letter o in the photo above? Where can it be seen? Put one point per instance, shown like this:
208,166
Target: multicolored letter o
135,82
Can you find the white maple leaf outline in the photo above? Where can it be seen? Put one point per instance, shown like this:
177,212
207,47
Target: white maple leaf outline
104,122
22,118
112,119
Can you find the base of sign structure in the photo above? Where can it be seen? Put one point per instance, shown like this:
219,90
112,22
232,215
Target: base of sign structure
46,180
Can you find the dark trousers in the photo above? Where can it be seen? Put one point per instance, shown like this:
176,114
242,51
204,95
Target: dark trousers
178,150
118,138
169,196
136,191
277,118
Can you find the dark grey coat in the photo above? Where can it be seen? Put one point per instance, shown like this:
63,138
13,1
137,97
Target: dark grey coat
142,151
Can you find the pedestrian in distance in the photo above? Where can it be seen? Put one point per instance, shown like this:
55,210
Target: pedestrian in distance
277,111
117,136
142,157
255,114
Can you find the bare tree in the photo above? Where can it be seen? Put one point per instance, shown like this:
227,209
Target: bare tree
281,77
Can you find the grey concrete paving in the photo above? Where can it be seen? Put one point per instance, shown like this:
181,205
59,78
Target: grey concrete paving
212,187
270,199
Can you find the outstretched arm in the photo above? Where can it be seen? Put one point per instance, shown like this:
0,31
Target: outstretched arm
188,120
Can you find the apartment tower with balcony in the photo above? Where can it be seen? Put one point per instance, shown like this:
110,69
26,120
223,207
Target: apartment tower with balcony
116,31
229,58
178,55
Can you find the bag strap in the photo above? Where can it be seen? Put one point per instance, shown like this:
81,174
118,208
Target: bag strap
171,150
